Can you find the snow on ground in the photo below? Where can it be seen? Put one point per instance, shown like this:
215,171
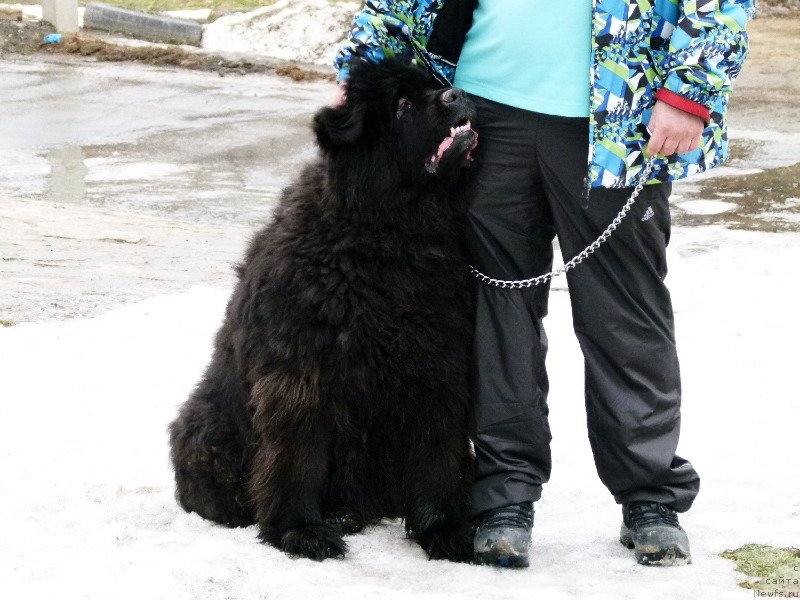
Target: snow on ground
86,496
304,30
706,207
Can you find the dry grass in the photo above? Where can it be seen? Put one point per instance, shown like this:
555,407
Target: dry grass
770,569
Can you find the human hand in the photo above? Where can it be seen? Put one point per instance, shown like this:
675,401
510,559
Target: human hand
340,95
673,130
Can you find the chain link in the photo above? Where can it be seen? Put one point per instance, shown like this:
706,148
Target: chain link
582,255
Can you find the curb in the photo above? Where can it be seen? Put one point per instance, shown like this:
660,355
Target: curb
142,25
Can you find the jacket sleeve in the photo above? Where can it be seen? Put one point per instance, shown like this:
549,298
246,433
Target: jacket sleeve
707,48
380,30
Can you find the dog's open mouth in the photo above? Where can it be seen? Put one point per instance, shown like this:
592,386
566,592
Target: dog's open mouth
462,132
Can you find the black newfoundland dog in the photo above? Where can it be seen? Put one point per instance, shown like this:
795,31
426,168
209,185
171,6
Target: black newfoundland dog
337,392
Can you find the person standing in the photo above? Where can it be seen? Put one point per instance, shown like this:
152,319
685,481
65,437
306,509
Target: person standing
573,98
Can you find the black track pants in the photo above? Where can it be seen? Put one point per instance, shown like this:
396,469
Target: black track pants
526,189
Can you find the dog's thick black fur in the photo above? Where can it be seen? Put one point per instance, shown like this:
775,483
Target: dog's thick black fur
337,392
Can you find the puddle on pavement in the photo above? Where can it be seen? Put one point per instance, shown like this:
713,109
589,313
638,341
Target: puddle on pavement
218,175
766,201
242,181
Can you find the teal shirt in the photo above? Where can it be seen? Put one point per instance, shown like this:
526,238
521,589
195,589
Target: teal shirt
530,54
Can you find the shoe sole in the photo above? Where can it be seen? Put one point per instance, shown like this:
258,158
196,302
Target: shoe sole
660,557
502,555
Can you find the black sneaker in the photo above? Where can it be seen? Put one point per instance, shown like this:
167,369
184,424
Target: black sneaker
653,530
503,536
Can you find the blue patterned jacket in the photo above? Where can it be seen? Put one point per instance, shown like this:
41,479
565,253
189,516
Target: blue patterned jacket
684,52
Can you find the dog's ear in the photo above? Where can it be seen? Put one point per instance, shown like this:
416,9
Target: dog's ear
338,126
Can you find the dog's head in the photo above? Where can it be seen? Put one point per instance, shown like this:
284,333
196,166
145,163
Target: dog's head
398,113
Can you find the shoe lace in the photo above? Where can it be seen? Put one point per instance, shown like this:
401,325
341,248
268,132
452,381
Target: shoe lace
645,514
515,515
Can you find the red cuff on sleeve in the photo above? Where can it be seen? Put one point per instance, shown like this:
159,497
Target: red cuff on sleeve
684,104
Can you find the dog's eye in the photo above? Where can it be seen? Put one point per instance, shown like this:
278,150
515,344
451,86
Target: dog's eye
403,105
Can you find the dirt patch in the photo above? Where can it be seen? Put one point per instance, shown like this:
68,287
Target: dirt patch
172,56
26,38
742,149
778,7
299,74
151,55
768,89
22,37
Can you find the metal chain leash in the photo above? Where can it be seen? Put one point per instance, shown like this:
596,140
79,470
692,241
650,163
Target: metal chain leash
581,256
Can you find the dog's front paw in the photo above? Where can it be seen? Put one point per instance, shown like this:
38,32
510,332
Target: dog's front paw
347,523
316,542
453,545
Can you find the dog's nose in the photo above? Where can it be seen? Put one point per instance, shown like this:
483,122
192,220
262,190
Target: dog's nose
451,95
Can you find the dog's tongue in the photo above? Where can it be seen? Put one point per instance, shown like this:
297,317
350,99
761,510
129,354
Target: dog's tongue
433,162
444,147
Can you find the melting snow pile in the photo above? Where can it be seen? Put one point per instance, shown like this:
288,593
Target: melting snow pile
304,30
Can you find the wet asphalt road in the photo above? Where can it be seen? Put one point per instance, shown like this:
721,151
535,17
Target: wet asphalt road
120,181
